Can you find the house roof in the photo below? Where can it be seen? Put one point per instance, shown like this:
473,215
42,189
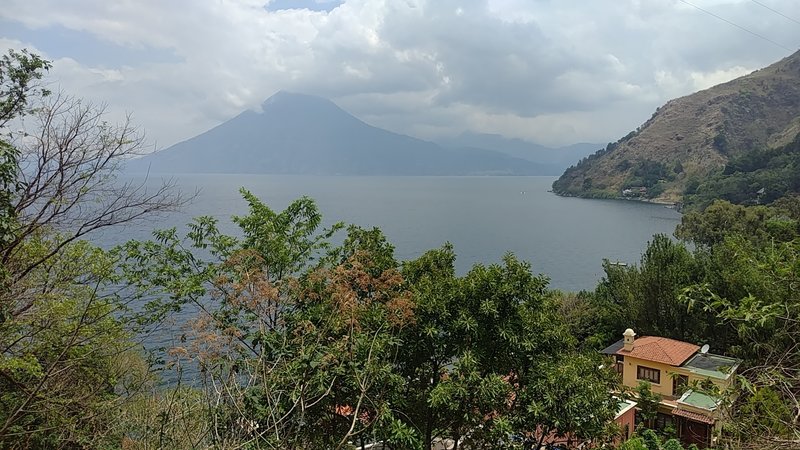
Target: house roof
697,417
710,365
657,349
624,406
613,348
698,400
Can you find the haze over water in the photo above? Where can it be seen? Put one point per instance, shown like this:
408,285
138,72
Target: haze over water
483,217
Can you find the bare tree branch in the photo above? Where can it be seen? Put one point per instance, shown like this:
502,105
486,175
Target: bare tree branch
69,177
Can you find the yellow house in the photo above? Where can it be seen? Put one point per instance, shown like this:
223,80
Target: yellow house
672,367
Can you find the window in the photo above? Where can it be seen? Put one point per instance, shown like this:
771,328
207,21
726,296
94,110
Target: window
648,374
663,421
619,364
679,385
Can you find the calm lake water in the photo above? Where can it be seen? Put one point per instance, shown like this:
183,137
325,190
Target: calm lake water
483,217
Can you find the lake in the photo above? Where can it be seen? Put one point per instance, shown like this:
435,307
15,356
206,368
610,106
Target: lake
483,217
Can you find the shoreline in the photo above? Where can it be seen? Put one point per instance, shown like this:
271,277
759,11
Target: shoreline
677,206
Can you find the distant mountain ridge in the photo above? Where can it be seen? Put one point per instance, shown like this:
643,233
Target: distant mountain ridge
693,136
303,134
556,159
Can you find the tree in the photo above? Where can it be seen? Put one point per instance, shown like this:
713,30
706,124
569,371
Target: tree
721,219
522,369
68,178
672,444
666,268
756,298
295,340
635,443
647,297
647,403
60,359
569,400
20,76
789,205
64,327
430,345
20,73
651,440
764,412
472,404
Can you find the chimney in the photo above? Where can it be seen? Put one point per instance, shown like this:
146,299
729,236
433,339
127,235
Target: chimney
627,340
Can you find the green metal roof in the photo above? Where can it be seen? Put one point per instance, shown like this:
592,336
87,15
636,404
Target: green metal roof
699,400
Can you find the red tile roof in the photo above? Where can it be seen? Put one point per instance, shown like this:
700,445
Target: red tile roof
660,349
697,417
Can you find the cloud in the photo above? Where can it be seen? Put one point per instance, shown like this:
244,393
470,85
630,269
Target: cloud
550,71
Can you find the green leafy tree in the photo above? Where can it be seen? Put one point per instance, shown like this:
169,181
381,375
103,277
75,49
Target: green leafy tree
470,401
666,268
722,219
20,73
581,313
758,176
61,358
764,412
648,299
431,344
651,440
489,359
567,400
635,443
672,444
647,404
755,296
509,324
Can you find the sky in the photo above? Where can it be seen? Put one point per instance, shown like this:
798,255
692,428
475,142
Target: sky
554,72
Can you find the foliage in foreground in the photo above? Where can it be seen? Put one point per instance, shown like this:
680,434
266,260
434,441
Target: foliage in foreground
350,346
737,289
649,440
295,344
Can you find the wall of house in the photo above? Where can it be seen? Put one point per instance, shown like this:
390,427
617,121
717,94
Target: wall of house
627,423
664,388
629,375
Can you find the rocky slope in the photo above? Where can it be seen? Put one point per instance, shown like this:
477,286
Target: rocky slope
690,137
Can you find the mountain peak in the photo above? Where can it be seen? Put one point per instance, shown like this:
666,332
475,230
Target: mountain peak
305,134
287,97
304,108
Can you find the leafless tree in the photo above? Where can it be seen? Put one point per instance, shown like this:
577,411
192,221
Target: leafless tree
68,179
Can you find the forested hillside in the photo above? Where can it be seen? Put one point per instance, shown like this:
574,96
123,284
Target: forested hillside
759,176
691,137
